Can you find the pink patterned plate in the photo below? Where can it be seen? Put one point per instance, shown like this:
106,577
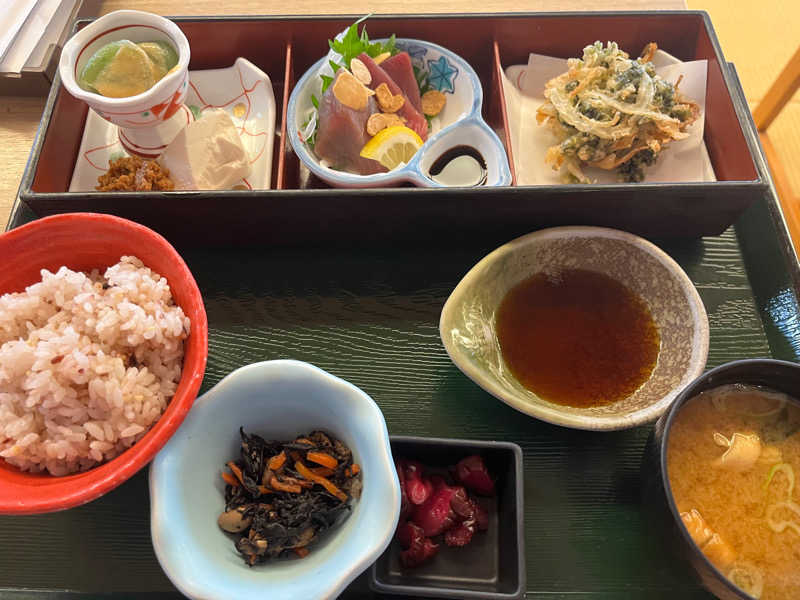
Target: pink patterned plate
243,90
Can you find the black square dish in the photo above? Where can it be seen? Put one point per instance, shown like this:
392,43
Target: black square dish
492,565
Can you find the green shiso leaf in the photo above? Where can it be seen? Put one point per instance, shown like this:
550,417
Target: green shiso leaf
354,43
350,46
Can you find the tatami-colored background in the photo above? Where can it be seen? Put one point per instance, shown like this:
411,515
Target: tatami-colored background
759,36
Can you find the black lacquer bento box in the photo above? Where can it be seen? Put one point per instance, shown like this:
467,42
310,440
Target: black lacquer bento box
300,209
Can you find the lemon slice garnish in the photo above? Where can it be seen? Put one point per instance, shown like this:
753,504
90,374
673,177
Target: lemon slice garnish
392,146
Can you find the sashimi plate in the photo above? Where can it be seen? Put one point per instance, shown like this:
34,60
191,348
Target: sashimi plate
243,90
446,72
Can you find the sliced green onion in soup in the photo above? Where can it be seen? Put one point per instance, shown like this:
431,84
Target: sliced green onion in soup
780,526
787,470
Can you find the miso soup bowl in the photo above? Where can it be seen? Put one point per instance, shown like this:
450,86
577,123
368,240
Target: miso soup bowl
468,321
279,400
459,123
777,375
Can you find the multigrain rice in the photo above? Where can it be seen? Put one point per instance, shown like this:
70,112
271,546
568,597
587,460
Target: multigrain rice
88,363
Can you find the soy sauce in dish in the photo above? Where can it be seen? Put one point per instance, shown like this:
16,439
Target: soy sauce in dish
460,166
577,337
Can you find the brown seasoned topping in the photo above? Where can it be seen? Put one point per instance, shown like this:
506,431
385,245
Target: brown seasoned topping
433,102
133,174
379,121
388,102
350,91
360,71
375,123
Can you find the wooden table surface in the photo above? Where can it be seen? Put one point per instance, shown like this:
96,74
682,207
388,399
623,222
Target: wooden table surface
19,116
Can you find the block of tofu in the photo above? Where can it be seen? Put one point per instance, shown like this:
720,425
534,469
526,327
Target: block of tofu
207,154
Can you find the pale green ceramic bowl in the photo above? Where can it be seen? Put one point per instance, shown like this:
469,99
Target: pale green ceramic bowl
467,324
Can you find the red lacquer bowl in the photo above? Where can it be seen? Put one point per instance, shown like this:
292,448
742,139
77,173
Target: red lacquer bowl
82,242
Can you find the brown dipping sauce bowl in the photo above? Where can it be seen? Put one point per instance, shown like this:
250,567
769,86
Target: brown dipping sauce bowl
660,508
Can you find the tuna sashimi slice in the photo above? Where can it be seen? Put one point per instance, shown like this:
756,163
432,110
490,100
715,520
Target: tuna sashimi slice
414,119
342,134
399,68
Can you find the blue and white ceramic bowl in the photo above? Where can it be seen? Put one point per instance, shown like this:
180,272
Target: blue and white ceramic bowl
277,399
460,121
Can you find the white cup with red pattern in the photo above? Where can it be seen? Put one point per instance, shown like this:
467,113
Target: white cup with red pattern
148,121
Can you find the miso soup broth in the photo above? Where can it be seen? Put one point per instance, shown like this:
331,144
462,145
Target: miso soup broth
732,460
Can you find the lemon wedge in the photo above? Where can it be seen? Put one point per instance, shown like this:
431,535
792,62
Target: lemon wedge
392,146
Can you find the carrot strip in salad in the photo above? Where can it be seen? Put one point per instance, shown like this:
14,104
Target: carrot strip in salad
322,471
276,462
330,487
321,458
230,479
236,471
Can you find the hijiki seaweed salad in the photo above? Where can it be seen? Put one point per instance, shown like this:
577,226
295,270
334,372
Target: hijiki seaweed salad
612,112
279,496
376,106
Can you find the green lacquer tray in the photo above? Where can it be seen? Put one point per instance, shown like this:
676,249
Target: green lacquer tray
370,315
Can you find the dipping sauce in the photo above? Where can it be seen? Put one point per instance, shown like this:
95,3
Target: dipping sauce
577,338
460,166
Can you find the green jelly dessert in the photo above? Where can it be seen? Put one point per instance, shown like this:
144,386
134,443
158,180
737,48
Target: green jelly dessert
121,69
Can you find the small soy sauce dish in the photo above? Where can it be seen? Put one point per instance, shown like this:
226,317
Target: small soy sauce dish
461,150
492,565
